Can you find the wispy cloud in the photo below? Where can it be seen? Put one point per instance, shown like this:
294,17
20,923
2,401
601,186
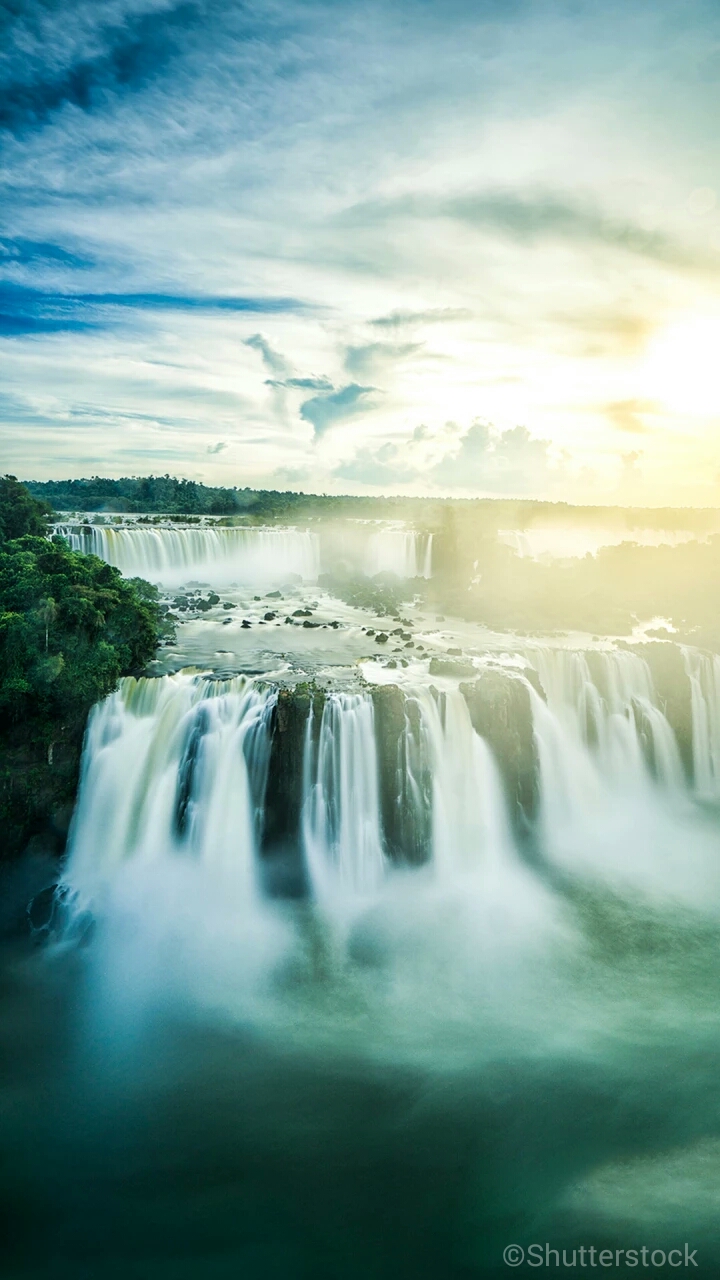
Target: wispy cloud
26,310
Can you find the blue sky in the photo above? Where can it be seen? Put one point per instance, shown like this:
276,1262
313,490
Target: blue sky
466,248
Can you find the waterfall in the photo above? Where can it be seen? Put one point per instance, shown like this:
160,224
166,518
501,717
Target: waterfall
614,803
341,825
704,673
404,552
219,555
469,821
610,716
177,767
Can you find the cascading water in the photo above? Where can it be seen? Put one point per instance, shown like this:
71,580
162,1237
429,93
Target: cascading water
614,800
610,716
704,673
173,767
341,824
174,556
469,820
403,552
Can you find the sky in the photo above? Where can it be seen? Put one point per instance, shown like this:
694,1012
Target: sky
464,248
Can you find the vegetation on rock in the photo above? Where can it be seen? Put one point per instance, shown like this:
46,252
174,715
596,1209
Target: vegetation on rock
70,626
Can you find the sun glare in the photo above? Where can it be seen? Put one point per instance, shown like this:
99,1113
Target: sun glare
681,368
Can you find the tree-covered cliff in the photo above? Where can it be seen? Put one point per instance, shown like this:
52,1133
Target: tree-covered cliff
70,626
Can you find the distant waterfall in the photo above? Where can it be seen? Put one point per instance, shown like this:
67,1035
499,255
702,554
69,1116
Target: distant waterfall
704,673
404,552
342,832
177,766
218,555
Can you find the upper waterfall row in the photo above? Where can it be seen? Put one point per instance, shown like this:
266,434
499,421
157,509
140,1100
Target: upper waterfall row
222,555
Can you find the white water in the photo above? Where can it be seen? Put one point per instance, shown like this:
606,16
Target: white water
173,767
704,673
469,821
341,825
616,731
220,556
615,806
404,552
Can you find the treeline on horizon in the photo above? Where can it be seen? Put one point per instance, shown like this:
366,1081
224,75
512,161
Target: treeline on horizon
167,495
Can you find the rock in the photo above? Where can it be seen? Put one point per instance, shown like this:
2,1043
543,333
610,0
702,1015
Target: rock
213,598
246,624
455,653
302,613
381,638
228,605
452,668
501,712
313,625
280,841
269,617
402,759
274,595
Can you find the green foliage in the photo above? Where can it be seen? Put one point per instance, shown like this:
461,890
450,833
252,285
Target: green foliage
70,626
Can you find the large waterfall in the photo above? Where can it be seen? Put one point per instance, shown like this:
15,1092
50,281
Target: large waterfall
358,949
219,555
179,767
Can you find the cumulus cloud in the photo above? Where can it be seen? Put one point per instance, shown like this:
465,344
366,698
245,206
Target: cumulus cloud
510,461
324,411
386,465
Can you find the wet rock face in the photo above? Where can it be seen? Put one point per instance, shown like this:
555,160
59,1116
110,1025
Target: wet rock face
405,779
281,847
501,712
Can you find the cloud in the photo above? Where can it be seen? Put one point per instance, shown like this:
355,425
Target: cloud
324,411
627,415
24,309
509,461
217,448
301,384
272,359
19,251
387,465
532,217
434,315
73,54
374,357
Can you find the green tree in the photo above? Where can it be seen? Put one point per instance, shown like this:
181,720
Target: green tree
70,626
